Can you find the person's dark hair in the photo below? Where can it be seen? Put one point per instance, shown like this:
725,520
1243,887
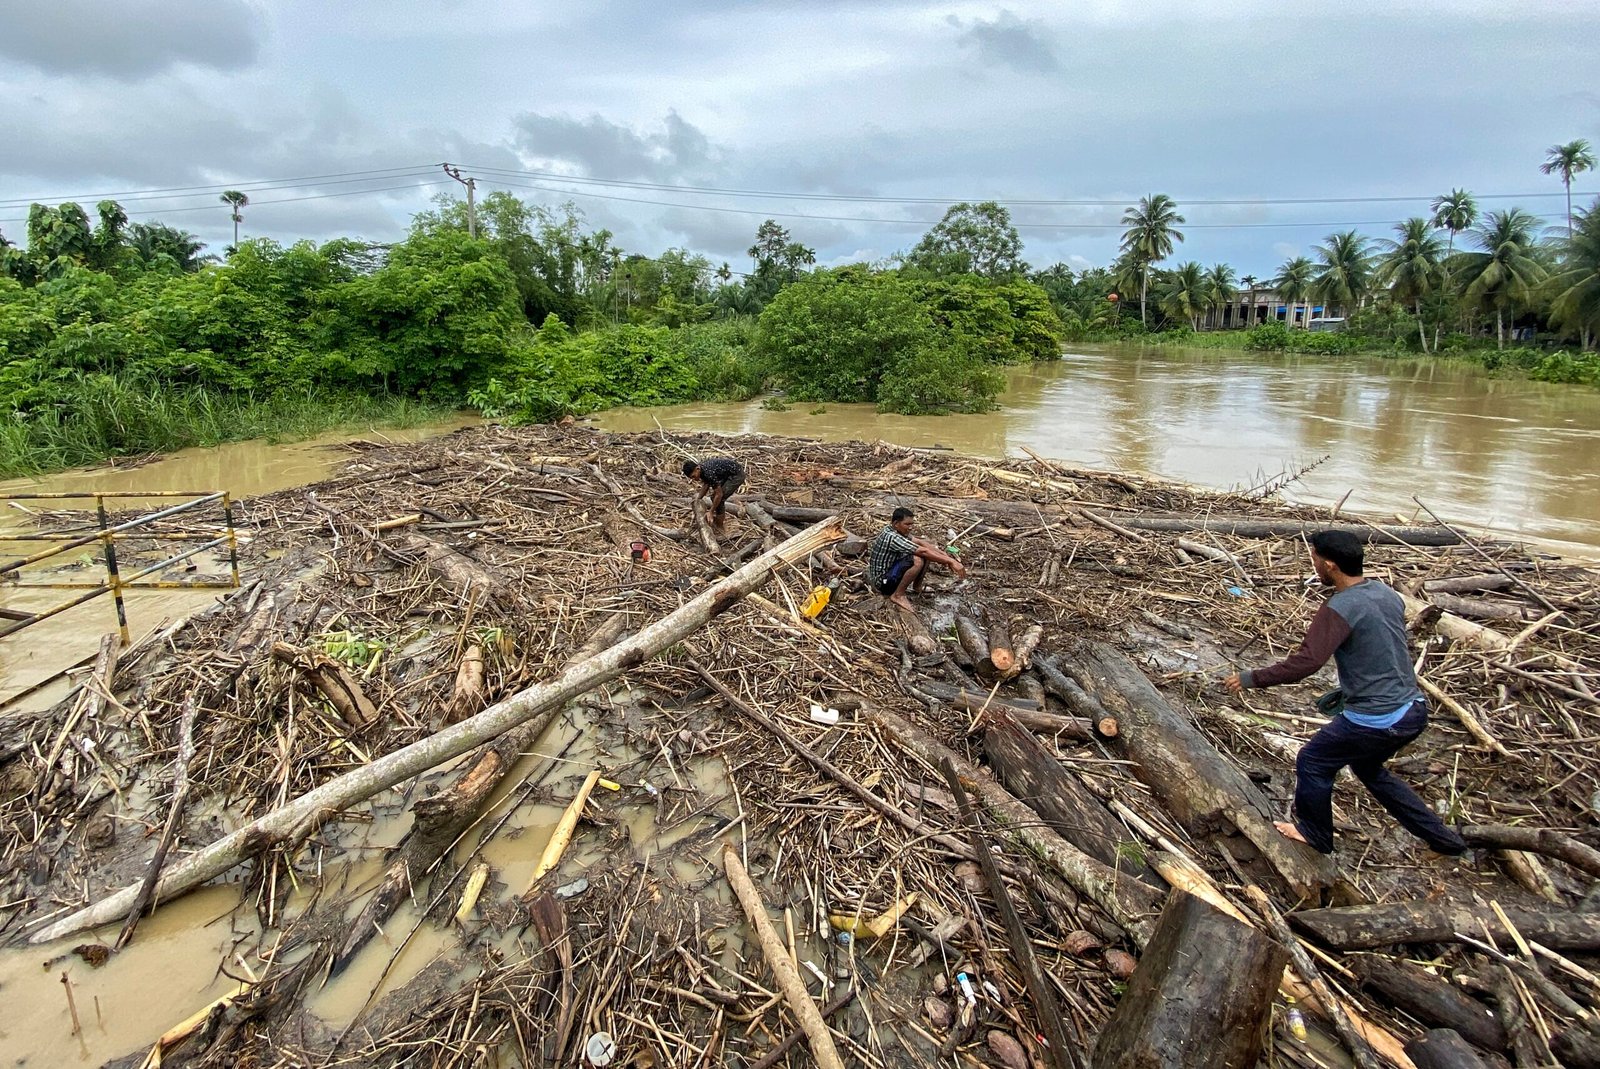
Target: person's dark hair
689,466
1341,548
901,514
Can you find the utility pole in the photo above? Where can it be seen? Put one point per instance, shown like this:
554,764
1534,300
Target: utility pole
472,204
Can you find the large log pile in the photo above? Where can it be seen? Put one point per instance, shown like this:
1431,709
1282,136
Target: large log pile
636,798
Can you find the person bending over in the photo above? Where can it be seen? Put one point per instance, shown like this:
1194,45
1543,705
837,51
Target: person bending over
1362,627
898,560
718,477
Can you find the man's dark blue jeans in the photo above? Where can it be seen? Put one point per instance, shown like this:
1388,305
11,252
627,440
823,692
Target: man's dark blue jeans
1365,750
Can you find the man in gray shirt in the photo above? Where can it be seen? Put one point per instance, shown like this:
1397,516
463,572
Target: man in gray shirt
1362,627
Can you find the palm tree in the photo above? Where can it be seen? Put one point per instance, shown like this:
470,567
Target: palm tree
1455,211
1576,305
1574,157
235,201
1508,269
1411,268
1294,284
1250,281
1184,291
1345,275
1149,237
1220,289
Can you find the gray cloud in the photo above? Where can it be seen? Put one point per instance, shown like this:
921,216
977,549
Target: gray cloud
130,39
598,146
1009,41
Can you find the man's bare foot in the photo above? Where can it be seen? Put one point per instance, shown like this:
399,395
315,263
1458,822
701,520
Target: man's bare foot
1288,831
902,601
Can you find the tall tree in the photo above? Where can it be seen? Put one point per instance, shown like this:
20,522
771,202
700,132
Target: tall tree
778,259
973,239
151,241
1410,267
1294,284
1344,276
1149,238
1455,211
1250,282
1574,157
1504,275
1576,286
1185,291
235,202
1220,289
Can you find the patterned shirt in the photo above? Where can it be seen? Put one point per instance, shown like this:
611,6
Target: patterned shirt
889,546
718,470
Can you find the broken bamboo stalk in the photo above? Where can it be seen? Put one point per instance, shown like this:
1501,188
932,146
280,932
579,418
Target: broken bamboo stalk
293,821
1473,725
788,977
169,831
551,857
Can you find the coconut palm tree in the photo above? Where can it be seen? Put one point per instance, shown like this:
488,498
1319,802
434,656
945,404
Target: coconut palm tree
235,201
1294,284
1184,291
1149,237
1411,267
1576,285
1574,157
1344,277
1220,289
1455,211
1504,275
1249,282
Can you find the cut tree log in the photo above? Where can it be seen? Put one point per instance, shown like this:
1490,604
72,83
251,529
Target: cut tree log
1037,779
464,574
1480,609
702,527
291,822
469,695
1200,997
1443,1049
1001,663
1074,697
1431,1000
1251,527
1365,927
972,640
1468,584
1028,712
1535,841
1026,643
1455,628
1127,901
1198,785
783,969
333,681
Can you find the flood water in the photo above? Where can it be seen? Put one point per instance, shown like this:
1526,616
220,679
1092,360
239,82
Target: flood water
1504,455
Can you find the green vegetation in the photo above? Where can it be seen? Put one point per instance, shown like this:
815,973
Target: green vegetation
118,339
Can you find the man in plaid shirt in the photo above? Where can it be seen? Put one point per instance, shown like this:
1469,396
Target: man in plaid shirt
898,560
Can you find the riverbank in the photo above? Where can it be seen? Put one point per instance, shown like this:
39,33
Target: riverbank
112,418
426,582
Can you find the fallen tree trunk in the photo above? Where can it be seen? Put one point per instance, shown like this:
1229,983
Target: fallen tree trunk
469,694
333,681
972,639
1074,697
1535,841
463,573
1250,527
1479,609
702,527
1467,584
1200,996
1033,774
1127,901
1198,785
169,831
1455,628
1365,927
1431,1000
297,819
1025,711
1443,1049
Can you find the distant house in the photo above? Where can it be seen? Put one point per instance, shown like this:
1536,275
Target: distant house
1268,308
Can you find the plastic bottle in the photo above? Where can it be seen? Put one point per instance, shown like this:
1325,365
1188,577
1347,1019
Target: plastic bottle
1297,1022
816,602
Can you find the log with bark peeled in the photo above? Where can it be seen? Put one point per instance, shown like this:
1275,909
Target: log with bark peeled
1199,786
469,695
1365,927
1252,527
1027,642
1033,774
1200,996
1431,1000
702,526
1455,628
463,573
1443,1049
298,818
1467,584
1126,900
333,681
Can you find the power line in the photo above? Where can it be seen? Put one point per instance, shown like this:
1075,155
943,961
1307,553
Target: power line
218,187
280,200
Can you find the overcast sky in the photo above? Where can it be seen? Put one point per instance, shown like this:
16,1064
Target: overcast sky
1097,100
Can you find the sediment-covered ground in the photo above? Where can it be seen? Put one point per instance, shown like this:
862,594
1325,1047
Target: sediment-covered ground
430,582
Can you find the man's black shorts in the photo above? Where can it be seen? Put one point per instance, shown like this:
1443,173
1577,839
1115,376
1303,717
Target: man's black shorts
892,577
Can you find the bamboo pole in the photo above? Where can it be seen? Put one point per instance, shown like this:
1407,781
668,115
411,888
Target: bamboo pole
777,955
563,833
298,818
